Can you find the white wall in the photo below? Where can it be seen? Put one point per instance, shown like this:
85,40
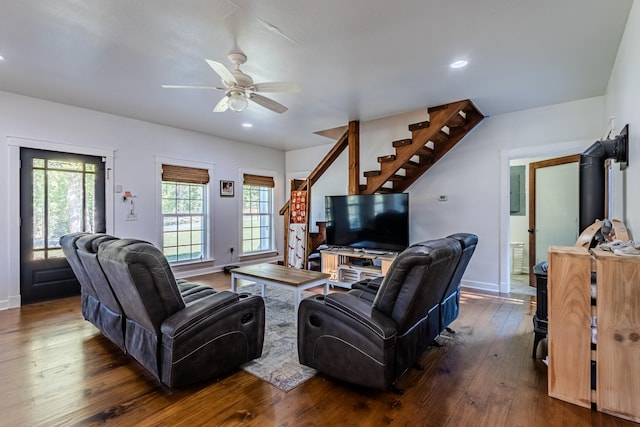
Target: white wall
472,175
623,103
135,145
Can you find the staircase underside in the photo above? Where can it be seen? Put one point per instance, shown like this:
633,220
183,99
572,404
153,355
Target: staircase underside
430,140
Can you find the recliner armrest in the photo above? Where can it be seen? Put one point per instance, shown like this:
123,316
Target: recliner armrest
197,311
361,311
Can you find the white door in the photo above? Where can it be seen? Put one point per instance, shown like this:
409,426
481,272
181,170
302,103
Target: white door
555,216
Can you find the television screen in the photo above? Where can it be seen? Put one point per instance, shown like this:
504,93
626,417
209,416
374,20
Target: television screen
372,221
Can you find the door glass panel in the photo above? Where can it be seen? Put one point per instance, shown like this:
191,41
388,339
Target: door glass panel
55,253
38,208
65,213
64,201
89,205
65,165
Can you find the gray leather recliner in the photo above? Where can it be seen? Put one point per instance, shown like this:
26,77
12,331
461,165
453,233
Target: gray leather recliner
372,343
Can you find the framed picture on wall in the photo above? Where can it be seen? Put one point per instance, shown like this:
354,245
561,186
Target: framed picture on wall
226,188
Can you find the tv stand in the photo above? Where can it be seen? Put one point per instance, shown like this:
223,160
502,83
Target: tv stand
347,266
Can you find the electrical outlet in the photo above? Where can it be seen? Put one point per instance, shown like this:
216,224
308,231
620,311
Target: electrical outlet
442,198
132,216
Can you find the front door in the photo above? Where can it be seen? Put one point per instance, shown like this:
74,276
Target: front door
60,193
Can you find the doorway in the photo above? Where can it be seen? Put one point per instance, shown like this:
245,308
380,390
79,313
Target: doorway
541,213
60,193
554,206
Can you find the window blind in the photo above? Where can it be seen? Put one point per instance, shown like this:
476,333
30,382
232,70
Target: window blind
258,180
185,174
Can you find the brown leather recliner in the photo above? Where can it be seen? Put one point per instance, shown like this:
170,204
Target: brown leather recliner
372,344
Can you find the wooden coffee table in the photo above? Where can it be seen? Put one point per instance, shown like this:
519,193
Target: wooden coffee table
280,276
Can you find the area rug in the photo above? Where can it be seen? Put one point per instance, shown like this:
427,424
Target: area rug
279,364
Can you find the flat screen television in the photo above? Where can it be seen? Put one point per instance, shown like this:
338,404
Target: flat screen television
372,221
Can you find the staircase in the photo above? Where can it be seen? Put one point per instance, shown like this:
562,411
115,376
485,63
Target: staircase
430,140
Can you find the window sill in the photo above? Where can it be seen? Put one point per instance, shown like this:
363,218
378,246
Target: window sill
188,267
258,255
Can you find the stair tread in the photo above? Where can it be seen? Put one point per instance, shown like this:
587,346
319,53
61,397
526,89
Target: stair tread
447,116
387,158
402,142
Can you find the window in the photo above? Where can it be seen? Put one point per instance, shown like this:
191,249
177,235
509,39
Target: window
184,219
257,214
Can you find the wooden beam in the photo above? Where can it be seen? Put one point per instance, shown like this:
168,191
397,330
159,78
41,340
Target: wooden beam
322,167
354,157
328,160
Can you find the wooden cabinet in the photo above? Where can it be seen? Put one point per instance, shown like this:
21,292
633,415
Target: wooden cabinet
613,361
347,266
569,328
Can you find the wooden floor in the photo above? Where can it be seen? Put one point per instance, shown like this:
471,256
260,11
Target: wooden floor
57,369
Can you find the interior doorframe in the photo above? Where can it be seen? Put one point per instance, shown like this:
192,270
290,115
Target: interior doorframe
13,199
533,167
558,149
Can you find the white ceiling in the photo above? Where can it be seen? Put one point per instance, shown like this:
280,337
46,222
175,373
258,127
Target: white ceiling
353,59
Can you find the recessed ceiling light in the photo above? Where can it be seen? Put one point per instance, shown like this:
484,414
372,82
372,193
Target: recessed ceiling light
1,58
460,63
247,125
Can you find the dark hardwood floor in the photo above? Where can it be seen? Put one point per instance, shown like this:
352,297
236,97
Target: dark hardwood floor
57,369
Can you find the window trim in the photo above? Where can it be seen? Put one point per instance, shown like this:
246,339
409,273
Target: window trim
208,207
274,246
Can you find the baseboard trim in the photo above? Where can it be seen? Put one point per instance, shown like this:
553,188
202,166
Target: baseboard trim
191,272
480,286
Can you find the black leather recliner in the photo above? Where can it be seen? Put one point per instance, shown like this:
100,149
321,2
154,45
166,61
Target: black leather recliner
111,318
179,343
98,304
450,304
450,301
182,332
373,343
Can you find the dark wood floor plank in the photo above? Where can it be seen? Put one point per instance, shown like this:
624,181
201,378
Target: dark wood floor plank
57,369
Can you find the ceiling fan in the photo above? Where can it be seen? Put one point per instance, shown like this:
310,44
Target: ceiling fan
240,89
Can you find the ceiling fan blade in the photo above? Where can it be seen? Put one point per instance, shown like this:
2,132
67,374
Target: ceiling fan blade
222,105
273,87
222,71
192,87
268,103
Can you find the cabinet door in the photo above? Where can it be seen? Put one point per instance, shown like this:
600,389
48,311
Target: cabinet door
329,265
618,348
569,334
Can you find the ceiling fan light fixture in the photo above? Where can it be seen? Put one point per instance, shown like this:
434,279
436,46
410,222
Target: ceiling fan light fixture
238,101
460,63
